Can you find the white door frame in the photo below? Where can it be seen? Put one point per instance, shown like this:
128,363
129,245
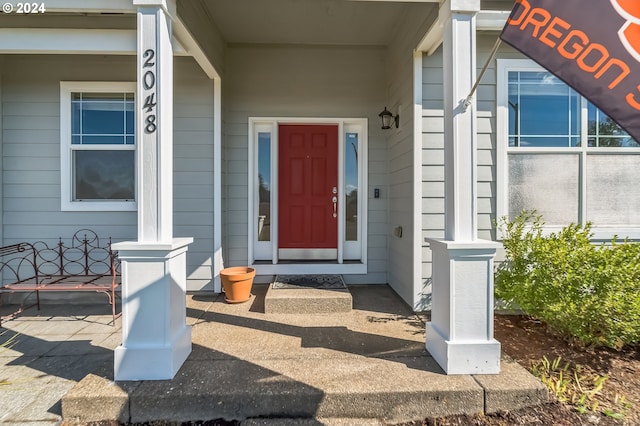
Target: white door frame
347,250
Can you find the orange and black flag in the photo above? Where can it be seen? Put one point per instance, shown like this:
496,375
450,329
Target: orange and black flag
592,45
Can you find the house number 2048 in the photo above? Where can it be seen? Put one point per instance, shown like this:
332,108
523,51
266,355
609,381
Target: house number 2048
149,85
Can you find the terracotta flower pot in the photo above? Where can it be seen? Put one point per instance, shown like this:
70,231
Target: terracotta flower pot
237,282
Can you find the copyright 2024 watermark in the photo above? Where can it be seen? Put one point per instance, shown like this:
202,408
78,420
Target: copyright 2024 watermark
24,8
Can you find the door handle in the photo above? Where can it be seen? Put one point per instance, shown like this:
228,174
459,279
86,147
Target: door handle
335,206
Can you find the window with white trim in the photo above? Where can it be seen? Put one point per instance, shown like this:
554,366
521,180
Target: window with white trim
560,155
98,148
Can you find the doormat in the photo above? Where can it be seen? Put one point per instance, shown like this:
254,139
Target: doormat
308,281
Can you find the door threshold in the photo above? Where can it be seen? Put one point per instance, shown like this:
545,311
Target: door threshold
308,262
293,267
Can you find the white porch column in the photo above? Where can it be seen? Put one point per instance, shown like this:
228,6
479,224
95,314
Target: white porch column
460,334
155,338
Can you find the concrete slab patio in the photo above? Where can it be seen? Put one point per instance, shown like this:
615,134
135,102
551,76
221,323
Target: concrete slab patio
364,367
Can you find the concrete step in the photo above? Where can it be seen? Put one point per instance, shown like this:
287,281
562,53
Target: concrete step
405,389
307,301
311,294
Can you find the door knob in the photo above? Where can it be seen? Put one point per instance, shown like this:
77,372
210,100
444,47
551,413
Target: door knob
335,206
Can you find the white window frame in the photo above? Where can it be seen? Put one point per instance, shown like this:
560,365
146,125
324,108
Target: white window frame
504,66
258,249
66,147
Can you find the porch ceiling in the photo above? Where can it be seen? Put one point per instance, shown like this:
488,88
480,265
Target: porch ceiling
312,22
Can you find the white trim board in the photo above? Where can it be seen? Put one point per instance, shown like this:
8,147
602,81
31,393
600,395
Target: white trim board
63,41
73,41
181,33
218,262
417,242
93,6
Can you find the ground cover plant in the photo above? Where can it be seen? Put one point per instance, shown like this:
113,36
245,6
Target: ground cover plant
590,385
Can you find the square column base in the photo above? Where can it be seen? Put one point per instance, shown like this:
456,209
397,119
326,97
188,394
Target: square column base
152,363
155,337
463,358
460,334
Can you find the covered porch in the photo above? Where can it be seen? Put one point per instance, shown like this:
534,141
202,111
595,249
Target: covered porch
273,64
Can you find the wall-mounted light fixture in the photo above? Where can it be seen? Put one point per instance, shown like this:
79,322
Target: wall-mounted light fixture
388,119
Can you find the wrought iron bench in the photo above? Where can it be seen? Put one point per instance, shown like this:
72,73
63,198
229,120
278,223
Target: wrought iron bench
83,265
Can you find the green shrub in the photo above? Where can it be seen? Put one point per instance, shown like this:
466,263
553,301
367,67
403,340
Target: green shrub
586,291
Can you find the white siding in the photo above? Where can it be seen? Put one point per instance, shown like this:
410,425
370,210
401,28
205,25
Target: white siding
432,162
486,173
400,154
193,208
309,81
30,119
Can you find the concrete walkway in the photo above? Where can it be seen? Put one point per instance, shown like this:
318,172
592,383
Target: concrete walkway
366,367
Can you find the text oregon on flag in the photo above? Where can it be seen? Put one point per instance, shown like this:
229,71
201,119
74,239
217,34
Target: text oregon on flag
592,45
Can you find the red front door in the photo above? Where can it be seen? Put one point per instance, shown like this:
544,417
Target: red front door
307,185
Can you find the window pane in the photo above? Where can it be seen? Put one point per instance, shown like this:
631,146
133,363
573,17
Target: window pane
264,186
574,117
351,186
612,195
104,175
542,114
514,118
543,111
613,142
606,133
130,119
94,116
547,183
102,118
75,118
